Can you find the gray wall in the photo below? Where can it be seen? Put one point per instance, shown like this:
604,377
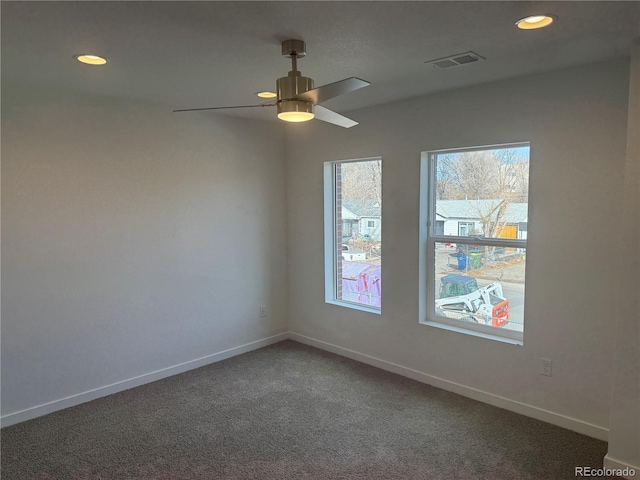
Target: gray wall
624,441
576,122
134,239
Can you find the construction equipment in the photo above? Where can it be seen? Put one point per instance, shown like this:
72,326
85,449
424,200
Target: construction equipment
461,298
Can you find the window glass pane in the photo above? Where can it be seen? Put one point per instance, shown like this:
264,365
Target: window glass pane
481,284
358,211
466,229
483,192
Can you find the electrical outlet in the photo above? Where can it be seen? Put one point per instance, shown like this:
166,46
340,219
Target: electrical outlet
263,310
545,367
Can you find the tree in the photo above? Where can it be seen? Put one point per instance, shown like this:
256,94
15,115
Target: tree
480,175
362,180
491,179
514,174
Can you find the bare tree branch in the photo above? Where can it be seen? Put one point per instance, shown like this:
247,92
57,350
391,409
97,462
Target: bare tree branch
362,180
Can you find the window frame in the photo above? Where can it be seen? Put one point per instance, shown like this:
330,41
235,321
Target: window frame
330,236
428,240
466,225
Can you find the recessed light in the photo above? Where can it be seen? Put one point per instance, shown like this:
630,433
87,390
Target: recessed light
534,21
266,95
90,59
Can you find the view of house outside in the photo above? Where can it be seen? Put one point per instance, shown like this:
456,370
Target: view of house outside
358,214
481,194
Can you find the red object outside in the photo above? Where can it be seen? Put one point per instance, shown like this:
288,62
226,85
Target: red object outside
500,314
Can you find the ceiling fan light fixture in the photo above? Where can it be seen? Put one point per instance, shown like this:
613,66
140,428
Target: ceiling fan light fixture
533,22
295,111
267,94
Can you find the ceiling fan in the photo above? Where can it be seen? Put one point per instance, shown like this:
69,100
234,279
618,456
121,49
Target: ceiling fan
297,100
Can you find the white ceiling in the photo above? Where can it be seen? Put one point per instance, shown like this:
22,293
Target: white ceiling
202,54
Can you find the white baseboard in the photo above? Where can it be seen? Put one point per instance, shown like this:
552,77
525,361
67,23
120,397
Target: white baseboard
73,400
615,464
560,420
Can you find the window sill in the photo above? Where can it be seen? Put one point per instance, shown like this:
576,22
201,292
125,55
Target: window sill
355,306
488,336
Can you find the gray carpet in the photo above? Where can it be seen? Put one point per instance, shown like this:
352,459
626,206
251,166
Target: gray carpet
289,411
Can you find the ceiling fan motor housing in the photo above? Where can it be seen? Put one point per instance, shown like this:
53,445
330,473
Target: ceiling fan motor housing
287,89
291,86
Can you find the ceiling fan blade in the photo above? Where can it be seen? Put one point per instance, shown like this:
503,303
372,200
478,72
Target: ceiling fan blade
223,108
329,116
325,92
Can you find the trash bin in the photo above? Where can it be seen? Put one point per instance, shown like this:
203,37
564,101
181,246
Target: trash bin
462,261
475,259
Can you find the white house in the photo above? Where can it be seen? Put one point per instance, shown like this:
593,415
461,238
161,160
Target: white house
463,217
368,213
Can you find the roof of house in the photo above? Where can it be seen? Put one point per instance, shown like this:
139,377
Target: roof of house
348,214
515,212
363,208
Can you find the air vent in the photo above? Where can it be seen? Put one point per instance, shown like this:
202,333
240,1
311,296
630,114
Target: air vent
456,60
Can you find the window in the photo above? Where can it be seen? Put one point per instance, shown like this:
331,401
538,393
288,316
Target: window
353,260
465,229
474,218
347,228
